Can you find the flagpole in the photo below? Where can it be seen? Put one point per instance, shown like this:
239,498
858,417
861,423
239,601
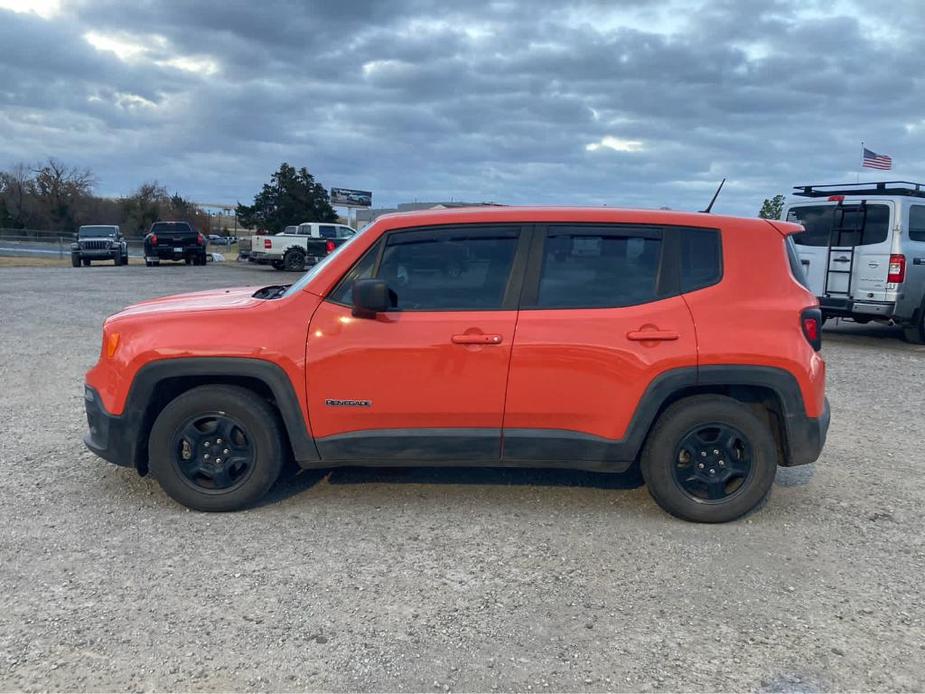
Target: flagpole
858,179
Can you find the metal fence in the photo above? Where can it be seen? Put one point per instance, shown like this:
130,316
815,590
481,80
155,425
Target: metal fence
47,244
57,244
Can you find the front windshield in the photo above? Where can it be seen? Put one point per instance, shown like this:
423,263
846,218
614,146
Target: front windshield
316,268
96,232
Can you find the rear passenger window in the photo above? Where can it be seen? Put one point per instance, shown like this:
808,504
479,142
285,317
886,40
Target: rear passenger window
327,232
917,223
459,269
594,267
701,258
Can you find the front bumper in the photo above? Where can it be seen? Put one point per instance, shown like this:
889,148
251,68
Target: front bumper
806,436
111,437
97,253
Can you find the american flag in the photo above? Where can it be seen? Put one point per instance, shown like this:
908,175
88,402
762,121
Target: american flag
872,160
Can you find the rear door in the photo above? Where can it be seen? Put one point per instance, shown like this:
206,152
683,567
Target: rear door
845,250
813,244
601,318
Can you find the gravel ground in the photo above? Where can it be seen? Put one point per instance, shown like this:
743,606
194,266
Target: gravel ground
443,580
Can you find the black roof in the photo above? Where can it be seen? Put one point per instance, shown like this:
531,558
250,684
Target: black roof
916,190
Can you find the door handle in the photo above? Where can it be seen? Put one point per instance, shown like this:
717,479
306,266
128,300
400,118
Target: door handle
646,335
841,260
476,339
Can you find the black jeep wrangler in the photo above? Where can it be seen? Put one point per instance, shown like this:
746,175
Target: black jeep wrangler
99,242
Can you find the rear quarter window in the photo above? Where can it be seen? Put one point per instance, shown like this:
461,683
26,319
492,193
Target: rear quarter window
701,258
796,265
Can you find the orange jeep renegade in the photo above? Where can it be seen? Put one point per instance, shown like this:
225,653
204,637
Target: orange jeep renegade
529,337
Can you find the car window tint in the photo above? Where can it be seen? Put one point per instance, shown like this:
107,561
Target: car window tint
327,232
581,269
917,222
452,270
701,262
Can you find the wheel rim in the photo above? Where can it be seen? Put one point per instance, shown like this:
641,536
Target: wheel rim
713,462
213,453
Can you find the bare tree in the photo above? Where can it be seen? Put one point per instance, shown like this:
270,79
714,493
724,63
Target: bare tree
60,189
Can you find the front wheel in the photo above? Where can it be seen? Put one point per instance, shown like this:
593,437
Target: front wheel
709,459
85,261
75,261
216,448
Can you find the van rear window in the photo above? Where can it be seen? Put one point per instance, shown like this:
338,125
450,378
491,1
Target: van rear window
841,225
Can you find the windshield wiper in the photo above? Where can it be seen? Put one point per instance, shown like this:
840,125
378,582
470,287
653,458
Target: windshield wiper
274,291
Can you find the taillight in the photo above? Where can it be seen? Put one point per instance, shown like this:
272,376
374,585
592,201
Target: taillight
329,246
267,243
897,272
200,239
811,323
153,239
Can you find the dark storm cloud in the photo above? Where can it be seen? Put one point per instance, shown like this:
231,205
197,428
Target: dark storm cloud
485,101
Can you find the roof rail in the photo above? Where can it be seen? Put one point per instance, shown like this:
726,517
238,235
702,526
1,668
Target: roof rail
915,190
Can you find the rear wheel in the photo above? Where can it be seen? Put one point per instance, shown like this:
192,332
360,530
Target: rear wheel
294,260
915,332
709,459
216,448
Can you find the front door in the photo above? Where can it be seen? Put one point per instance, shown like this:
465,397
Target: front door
423,382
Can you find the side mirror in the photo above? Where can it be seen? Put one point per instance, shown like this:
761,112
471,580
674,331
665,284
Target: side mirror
371,297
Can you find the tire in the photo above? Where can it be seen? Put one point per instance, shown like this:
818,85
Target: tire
185,426
189,261
85,262
75,261
915,332
117,261
679,447
294,260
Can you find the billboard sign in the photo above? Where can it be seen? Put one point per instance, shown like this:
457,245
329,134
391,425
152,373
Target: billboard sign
351,198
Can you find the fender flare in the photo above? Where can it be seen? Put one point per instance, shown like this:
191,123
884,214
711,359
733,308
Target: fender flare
271,375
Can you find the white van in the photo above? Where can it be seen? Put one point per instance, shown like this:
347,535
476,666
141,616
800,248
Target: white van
863,251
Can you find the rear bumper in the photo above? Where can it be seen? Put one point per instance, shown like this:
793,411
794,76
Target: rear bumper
168,253
111,437
806,436
846,307
262,258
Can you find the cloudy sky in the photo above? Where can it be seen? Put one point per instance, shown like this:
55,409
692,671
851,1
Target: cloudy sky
623,103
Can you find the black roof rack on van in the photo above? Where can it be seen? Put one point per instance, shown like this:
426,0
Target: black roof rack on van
916,190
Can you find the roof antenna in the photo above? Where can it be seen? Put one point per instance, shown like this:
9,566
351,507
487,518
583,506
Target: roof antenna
715,195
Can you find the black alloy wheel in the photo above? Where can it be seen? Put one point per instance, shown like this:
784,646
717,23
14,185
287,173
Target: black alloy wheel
217,448
710,458
712,462
213,452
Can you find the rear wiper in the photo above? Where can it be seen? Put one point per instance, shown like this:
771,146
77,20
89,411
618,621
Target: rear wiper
274,291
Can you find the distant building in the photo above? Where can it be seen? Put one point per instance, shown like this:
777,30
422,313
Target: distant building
365,216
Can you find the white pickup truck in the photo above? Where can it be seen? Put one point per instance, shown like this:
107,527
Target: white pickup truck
298,246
